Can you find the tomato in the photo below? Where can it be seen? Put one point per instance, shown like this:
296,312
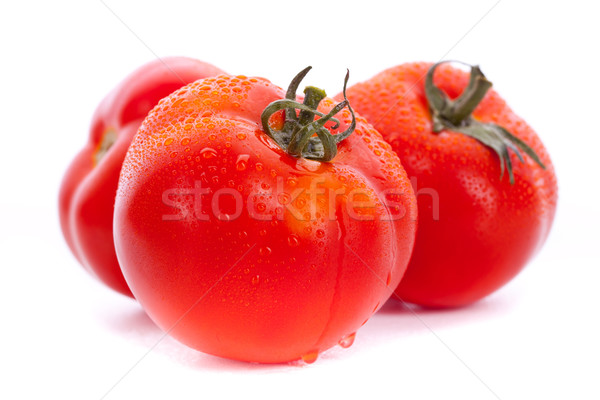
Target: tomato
243,235
88,188
483,213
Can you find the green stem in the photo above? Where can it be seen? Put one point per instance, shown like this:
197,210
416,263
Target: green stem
302,135
456,115
313,97
470,98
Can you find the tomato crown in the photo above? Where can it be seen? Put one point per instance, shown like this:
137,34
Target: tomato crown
297,136
455,115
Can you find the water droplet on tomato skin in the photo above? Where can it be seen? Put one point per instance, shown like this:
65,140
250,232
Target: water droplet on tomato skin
242,162
255,280
347,340
264,251
208,152
293,240
283,198
311,357
300,203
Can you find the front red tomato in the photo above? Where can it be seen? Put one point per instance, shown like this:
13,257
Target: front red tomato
88,188
241,250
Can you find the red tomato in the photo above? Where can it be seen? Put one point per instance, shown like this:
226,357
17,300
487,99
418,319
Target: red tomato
482,212
88,188
238,248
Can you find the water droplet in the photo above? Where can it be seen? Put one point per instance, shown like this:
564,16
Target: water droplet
185,141
292,181
389,279
320,233
262,232
293,240
242,162
311,357
255,280
347,340
168,141
212,136
264,251
241,136
174,154
243,234
300,203
265,186
283,198
208,152
258,166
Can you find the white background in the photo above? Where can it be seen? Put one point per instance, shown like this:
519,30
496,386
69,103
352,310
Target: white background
65,336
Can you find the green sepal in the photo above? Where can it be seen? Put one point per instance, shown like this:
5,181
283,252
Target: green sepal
455,115
297,137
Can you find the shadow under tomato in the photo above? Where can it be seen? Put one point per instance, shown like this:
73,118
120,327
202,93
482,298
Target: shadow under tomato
135,325
395,320
398,319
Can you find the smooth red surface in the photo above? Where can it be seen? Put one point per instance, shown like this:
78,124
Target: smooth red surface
476,231
88,190
272,290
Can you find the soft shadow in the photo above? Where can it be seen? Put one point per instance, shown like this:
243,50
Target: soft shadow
399,319
134,325
394,320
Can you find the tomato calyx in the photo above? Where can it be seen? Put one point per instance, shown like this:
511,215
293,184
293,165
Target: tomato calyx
297,136
455,115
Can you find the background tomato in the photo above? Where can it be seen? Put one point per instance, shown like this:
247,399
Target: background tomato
476,229
88,188
237,248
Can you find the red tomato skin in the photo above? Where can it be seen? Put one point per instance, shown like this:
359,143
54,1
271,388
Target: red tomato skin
87,191
267,291
476,231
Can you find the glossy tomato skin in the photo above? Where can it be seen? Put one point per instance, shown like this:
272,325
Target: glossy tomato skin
476,231
88,188
277,267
